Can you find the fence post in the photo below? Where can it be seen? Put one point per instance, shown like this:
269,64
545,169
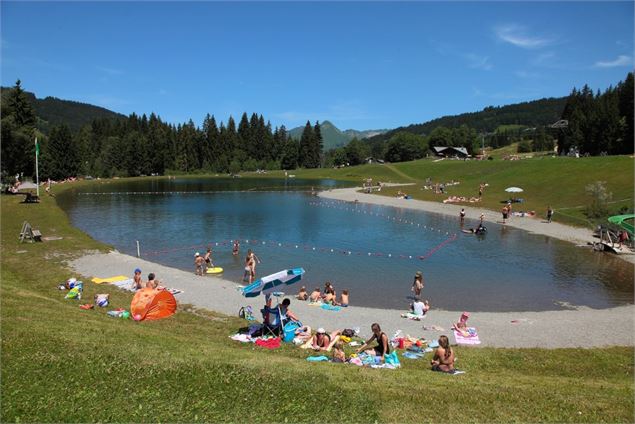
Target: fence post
138,252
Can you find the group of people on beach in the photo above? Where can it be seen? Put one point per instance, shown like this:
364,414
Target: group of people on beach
150,283
329,296
206,262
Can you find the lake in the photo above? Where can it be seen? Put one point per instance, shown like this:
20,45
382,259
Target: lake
372,251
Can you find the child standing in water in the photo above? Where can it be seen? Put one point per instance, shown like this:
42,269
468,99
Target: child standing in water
417,284
236,248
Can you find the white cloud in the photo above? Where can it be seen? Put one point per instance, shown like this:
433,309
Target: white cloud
519,37
478,62
622,60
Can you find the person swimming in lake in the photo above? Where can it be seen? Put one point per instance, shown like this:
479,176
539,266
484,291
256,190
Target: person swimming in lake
443,359
478,230
462,215
236,248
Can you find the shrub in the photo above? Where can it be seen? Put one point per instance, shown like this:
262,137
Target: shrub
600,197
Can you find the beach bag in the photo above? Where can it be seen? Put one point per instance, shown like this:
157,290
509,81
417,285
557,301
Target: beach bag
246,313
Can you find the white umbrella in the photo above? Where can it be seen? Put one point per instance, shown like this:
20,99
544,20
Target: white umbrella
27,186
513,189
271,283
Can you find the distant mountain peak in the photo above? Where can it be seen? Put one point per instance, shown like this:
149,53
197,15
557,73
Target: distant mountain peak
333,137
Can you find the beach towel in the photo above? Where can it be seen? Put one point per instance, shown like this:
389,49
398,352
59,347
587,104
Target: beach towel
273,343
412,355
412,316
124,284
472,339
243,338
109,279
330,307
317,358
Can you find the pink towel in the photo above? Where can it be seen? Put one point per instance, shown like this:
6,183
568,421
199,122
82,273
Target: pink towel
470,340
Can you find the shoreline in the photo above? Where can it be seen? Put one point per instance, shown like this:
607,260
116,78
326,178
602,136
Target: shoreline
582,327
532,225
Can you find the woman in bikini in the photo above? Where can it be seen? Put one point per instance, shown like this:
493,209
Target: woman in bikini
443,359
382,348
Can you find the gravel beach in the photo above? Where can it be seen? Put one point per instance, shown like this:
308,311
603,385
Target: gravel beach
577,327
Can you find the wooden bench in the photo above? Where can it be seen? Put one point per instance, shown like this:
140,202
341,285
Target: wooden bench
29,234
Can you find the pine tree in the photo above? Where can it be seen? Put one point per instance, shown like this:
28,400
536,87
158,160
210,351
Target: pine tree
20,107
626,93
305,154
62,153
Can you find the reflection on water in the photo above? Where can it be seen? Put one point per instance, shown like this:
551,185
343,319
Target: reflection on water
505,270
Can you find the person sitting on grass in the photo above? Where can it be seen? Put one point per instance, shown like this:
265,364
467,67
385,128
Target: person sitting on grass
287,315
382,348
338,352
322,341
137,283
443,359
151,283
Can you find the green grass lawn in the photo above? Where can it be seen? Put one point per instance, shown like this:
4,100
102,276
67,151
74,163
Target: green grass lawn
63,364
559,182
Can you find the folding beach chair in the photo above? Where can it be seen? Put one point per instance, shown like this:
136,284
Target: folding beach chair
271,321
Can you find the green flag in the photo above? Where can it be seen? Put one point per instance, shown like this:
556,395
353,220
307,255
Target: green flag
37,147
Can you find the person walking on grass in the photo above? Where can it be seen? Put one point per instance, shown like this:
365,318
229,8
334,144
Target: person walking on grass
549,214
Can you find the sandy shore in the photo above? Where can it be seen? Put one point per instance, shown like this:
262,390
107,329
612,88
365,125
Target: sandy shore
583,327
536,225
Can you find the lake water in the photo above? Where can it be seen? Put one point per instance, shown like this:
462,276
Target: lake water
372,251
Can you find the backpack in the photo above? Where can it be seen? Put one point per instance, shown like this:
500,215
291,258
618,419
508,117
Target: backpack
246,313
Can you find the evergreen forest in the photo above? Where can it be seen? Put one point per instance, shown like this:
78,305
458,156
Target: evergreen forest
76,141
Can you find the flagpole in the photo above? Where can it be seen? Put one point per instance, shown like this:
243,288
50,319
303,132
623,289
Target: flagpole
37,176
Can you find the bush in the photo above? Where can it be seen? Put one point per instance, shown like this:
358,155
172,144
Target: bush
600,197
524,147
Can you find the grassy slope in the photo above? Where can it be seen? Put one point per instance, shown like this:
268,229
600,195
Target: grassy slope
60,363
559,182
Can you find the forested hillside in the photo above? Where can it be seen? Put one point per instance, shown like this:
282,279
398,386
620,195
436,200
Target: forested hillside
52,111
530,114
592,123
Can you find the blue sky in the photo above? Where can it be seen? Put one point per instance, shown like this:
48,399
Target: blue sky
362,65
